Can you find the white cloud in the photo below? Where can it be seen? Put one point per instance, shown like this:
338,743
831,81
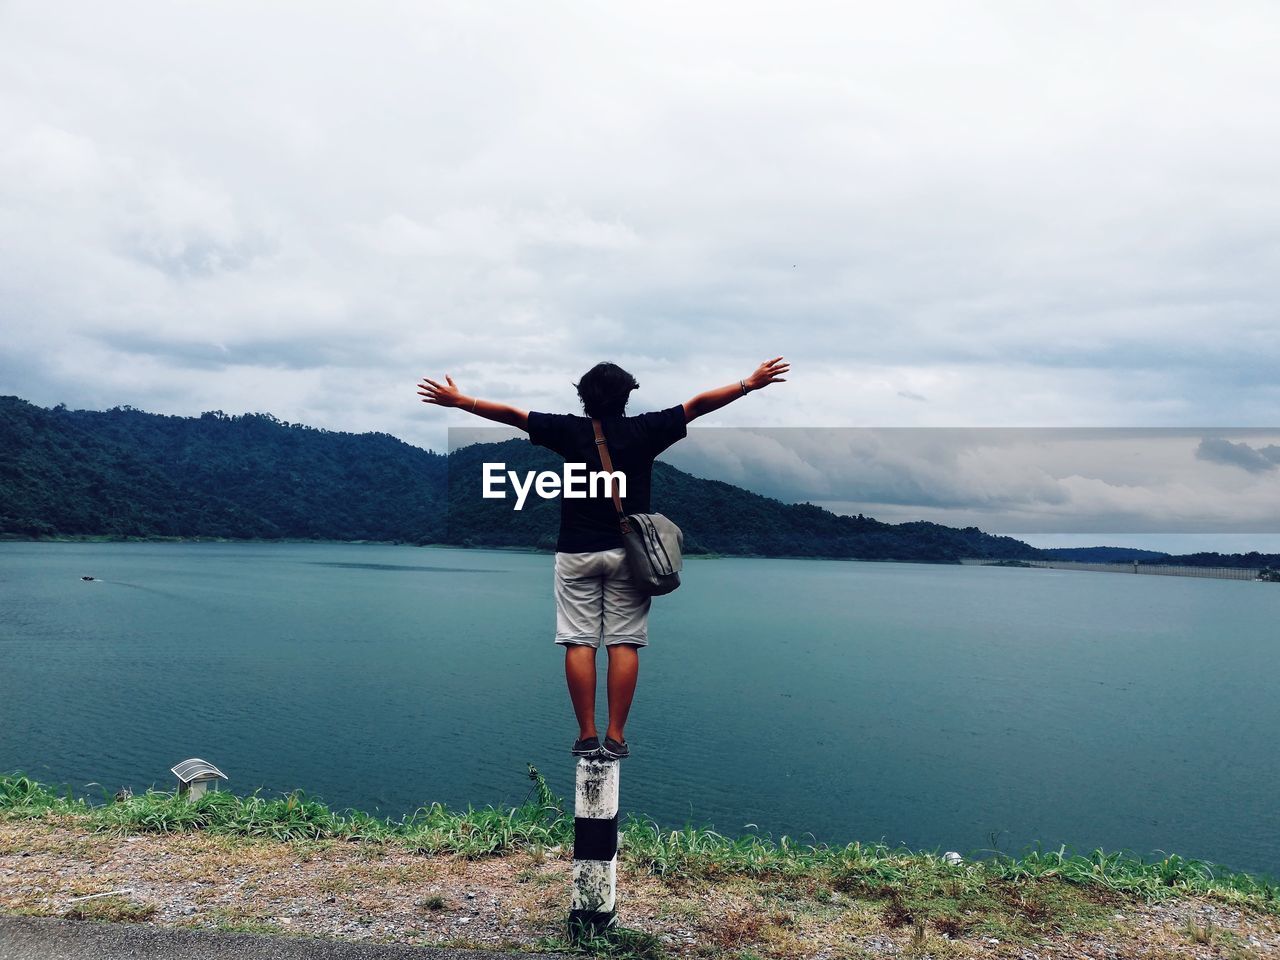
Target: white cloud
1008,480
1027,214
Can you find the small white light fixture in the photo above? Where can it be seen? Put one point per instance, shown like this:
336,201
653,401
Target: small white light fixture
195,776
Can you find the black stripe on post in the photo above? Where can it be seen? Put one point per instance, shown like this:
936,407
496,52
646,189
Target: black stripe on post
595,839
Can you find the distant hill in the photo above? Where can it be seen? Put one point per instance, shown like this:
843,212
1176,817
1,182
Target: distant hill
1250,559
123,472
1133,554
1104,554
127,473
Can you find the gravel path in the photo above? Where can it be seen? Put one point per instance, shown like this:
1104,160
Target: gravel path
366,893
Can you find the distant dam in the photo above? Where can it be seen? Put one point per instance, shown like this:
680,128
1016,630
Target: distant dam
1152,569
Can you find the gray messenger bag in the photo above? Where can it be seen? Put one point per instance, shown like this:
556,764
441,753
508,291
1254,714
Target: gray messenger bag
652,542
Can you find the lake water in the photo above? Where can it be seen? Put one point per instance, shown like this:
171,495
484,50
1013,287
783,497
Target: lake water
940,707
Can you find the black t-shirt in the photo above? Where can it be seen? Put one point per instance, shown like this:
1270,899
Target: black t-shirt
591,523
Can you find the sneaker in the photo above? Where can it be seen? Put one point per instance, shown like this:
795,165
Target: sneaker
615,750
586,747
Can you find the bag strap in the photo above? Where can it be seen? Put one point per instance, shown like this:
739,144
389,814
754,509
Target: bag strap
607,462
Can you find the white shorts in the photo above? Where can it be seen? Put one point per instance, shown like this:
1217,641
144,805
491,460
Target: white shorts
597,600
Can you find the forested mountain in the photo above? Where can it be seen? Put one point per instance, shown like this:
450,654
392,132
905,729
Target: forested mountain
1133,554
1250,559
126,473
1104,554
123,472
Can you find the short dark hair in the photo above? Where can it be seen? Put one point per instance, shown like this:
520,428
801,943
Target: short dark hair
604,390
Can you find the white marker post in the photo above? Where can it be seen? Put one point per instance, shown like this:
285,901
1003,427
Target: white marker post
595,849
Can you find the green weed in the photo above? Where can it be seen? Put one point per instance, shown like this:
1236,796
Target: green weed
1003,895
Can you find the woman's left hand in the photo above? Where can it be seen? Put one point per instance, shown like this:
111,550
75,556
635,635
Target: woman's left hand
444,394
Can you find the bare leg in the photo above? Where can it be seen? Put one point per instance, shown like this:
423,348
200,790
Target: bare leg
580,672
624,666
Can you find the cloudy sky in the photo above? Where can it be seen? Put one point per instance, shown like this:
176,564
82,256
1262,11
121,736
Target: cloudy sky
945,215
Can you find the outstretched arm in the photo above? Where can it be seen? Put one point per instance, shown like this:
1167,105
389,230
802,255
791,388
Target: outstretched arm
447,394
770,371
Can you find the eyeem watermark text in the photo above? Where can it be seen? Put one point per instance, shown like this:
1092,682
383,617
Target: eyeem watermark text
575,483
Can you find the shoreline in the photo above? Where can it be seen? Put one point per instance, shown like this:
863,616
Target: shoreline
1245,574
500,879
104,538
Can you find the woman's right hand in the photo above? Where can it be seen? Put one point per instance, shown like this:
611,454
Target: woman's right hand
768,372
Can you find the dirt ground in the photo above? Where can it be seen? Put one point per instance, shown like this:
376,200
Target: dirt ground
366,891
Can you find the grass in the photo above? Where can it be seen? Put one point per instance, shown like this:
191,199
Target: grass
1010,898
617,943
237,921
433,829
119,909
1198,934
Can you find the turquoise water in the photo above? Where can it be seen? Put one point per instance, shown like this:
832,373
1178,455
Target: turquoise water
940,707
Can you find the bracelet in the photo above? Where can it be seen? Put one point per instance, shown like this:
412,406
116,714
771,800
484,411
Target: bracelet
474,401
743,385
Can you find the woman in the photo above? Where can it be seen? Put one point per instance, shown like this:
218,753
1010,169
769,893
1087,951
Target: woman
595,599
